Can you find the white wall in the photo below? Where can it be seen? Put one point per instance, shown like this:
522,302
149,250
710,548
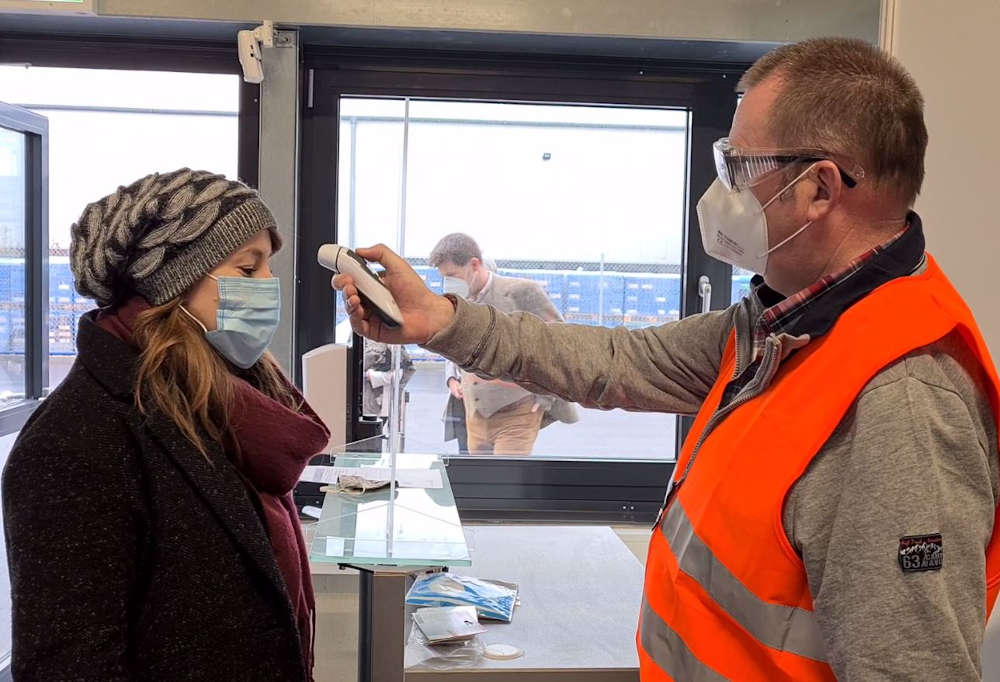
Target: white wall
950,48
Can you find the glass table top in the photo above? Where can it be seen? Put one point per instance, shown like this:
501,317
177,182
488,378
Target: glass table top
420,527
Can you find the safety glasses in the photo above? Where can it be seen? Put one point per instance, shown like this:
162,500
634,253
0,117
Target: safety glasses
742,168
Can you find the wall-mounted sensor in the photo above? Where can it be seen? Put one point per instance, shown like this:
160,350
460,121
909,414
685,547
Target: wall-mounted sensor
249,44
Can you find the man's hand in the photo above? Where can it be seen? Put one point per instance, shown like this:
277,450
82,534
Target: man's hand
455,386
424,312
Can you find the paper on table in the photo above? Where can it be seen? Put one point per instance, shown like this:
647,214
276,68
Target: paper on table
405,478
321,474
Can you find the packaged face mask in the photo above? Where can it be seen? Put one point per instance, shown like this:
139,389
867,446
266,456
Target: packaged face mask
493,600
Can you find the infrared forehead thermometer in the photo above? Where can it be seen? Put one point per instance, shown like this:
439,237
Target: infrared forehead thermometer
374,294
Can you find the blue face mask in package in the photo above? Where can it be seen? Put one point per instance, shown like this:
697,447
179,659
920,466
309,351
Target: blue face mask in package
493,601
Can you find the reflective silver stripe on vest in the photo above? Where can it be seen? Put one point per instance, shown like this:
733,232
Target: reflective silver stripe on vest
670,652
785,628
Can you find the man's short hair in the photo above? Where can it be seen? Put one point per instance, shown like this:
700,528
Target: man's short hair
457,248
849,98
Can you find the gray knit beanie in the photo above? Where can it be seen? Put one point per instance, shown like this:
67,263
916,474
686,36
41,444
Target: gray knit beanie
161,234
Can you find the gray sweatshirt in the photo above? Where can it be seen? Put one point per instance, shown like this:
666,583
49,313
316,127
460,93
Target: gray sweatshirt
915,455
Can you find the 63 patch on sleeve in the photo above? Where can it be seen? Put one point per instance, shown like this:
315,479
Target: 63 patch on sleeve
921,553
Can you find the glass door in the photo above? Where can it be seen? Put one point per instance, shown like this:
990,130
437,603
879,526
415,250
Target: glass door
587,203
23,342
578,182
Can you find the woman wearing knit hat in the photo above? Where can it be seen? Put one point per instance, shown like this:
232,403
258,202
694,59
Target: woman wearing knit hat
147,503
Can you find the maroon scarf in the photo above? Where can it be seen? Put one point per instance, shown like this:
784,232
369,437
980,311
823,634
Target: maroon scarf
275,445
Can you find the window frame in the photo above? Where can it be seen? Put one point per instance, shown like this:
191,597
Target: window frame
127,54
35,129
132,54
536,487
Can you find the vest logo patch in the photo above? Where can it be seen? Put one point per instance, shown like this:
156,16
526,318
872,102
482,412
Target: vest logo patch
921,553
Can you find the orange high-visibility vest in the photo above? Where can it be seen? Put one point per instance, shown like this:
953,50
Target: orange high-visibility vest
726,595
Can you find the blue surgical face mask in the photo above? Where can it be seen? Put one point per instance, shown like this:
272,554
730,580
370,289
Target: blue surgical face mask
248,316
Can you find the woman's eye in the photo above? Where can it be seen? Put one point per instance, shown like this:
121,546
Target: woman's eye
248,271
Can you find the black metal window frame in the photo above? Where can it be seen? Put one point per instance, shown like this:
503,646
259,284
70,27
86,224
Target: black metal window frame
101,53
532,488
35,129
131,54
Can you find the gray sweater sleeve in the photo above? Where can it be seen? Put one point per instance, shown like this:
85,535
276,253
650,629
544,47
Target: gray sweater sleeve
669,368
917,455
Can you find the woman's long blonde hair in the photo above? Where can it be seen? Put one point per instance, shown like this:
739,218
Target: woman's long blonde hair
183,377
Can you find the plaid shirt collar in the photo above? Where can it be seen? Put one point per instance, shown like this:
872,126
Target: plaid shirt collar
813,310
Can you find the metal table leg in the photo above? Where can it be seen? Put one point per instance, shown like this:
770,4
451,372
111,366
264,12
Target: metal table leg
382,627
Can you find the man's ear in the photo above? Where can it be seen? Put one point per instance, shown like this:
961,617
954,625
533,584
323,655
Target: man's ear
827,186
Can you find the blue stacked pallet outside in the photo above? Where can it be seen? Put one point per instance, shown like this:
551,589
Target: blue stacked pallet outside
583,297
631,305
651,299
6,307
64,311
15,281
613,299
665,302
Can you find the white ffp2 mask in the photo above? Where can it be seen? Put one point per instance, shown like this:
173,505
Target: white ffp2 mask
734,226
457,286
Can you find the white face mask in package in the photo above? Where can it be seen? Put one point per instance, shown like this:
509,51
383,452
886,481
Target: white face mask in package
493,600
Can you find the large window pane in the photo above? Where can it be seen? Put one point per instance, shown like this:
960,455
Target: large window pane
13,169
587,202
108,128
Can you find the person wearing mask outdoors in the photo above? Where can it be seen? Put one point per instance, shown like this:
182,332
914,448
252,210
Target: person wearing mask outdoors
501,417
151,533
834,511
454,417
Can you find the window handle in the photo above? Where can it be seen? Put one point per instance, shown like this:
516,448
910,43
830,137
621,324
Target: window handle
705,292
